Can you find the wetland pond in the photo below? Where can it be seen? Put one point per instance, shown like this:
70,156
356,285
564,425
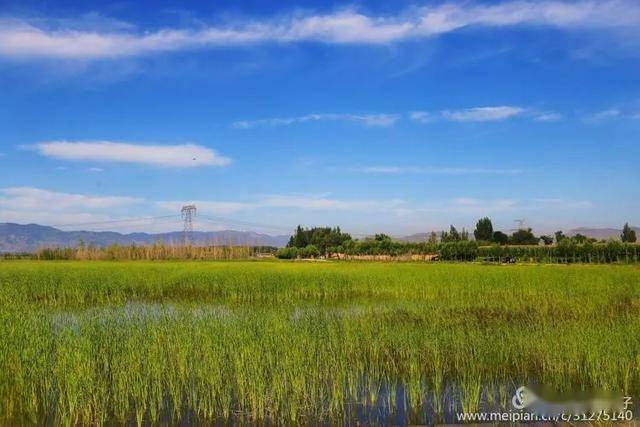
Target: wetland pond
280,343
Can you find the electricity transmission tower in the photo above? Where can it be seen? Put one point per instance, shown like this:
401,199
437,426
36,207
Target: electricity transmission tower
522,224
188,212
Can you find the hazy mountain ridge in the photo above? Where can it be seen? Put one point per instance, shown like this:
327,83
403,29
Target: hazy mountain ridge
415,238
600,233
30,237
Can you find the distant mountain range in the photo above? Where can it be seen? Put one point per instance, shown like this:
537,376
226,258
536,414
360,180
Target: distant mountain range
30,237
600,233
414,238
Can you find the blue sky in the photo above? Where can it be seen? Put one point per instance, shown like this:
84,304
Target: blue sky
400,117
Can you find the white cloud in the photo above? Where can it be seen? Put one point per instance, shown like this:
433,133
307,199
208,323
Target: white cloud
557,203
384,169
212,207
186,155
51,218
324,203
474,207
547,117
602,116
23,39
29,198
482,114
95,170
422,116
470,205
436,170
379,120
75,211
80,211
475,114
298,202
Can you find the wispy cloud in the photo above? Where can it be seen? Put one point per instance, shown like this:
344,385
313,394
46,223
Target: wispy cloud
30,198
95,170
602,116
279,201
379,120
25,39
462,205
384,169
472,206
212,207
483,114
73,210
474,114
325,203
547,117
609,115
422,116
29,204
185,155
558,203
446,209
435,170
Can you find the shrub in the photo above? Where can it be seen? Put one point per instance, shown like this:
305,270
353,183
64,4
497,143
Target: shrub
310,251
287,253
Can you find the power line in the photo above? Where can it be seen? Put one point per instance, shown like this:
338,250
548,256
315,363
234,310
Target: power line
230,221
189,229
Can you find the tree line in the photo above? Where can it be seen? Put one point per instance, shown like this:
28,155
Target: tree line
488,244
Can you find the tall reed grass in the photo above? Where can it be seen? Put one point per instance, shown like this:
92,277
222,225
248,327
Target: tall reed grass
158,251
110,343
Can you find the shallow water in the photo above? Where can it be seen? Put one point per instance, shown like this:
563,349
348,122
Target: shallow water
372,403
368,347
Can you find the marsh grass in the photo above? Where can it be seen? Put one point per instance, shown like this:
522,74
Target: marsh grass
95,343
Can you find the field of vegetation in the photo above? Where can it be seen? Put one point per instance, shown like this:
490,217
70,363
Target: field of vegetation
95,342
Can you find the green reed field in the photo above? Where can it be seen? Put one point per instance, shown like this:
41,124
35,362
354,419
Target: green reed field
156,342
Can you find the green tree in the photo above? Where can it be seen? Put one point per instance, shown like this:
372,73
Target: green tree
523,237
628,234
452,236
484,230
300,238
320,237
559,235
287,253
580,238
310,252
548,240
381,237
500,238
433,238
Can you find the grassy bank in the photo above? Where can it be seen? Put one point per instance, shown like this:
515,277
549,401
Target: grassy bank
91,342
